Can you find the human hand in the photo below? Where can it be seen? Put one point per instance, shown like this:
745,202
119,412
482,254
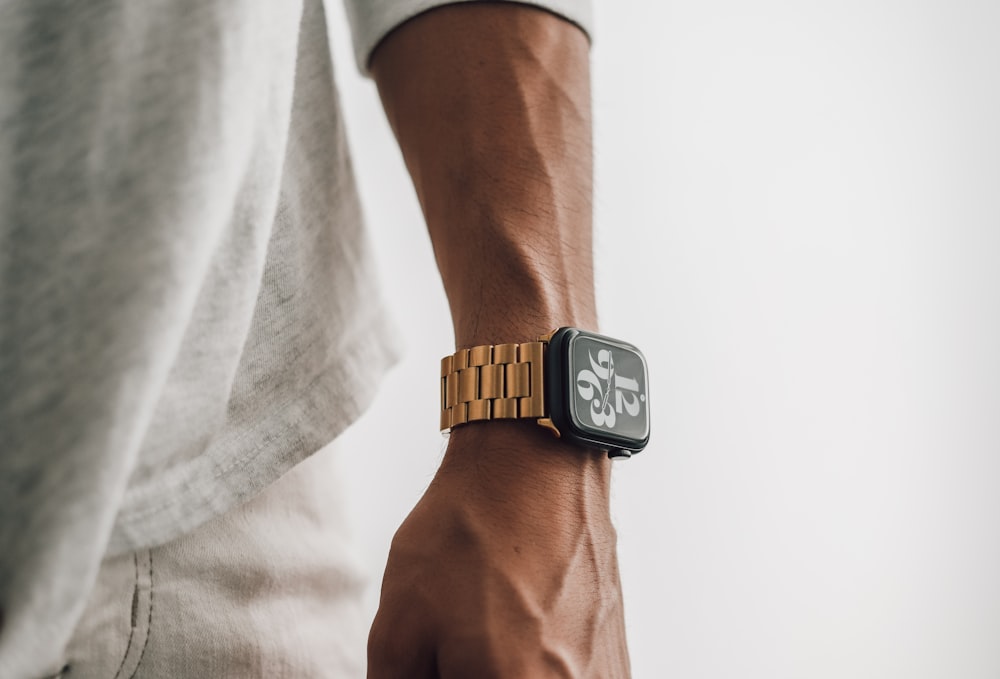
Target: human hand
506,567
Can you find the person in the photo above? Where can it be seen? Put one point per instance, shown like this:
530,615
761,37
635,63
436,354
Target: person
187,315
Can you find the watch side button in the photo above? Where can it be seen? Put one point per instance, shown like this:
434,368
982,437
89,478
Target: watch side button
619,454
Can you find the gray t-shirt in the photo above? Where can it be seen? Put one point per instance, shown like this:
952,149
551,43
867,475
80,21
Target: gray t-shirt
187,306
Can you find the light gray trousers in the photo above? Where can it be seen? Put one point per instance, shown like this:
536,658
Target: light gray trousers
270,589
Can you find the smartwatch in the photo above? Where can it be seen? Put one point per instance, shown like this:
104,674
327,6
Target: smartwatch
586,388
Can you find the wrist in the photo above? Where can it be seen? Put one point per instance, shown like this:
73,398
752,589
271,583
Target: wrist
522,321
515,457
529,299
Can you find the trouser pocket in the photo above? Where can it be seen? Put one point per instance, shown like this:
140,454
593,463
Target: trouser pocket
113,632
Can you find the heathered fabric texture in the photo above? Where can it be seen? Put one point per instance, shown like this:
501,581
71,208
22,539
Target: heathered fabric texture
187,306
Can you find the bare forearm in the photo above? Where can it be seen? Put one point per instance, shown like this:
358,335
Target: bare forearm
491,107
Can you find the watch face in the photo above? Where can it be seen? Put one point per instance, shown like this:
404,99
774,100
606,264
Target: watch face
608,399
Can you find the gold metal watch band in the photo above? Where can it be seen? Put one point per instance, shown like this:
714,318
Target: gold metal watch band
492,381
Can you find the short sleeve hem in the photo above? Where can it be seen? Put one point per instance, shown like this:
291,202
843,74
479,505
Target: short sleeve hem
372,20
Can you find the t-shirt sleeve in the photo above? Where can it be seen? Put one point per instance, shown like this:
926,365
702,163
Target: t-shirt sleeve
372,20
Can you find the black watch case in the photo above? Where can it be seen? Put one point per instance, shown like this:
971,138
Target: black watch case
597,391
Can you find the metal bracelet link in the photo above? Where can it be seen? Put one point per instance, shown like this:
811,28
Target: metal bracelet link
492,381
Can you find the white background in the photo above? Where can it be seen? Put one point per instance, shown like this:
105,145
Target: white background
798,220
